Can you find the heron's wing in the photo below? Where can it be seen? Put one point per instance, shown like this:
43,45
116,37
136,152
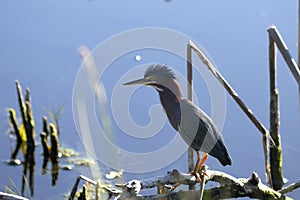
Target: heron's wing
201,133
197,128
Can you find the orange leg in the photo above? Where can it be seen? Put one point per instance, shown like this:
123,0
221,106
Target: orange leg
203,161
196,167
199,165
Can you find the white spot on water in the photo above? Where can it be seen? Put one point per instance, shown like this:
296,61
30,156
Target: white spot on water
138,58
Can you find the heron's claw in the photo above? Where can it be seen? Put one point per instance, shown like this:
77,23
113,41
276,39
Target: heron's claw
197,176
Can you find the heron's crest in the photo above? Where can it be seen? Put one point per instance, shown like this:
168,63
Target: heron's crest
159,70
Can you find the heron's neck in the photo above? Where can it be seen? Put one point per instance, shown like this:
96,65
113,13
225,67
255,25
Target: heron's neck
169,99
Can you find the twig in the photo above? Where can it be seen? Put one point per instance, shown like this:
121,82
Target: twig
299,37
111,191
202,184
74,189
290,188
11,196
299,48
290,61
171,178
190,97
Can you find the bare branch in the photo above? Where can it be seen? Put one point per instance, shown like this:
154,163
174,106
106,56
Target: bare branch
290,188
11,196
190,97
171,178
275,149
230,187
290,61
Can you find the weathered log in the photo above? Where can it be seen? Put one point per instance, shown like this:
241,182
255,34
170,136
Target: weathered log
230,187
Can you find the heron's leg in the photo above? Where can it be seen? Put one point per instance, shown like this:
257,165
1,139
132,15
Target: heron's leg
198,160
203,161
197,167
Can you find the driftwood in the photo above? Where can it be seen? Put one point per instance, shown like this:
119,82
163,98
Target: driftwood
229,187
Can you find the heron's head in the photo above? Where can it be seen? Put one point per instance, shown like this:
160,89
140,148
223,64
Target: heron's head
159,77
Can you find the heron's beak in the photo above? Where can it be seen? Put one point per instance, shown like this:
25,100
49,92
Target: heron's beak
141,81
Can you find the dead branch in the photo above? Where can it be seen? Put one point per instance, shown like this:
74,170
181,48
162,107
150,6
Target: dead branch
290,188
290,61
230,187
275,149
11,196
190,97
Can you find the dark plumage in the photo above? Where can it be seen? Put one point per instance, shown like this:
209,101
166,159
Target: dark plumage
159,71
195,127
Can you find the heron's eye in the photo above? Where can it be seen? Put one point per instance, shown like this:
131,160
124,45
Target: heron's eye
150,78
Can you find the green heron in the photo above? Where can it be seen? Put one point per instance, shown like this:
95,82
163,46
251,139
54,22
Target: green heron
195,127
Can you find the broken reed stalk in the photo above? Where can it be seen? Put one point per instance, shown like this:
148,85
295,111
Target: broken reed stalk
276,155
13,122
74,189
21,105
27,95
291,63
299,47
46,153
28,123
275,149
190,97
29,157
54,153
45,126
44,140
299,36
54,144
235,96
30,126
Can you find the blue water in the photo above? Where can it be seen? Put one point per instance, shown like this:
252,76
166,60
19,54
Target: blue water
39,47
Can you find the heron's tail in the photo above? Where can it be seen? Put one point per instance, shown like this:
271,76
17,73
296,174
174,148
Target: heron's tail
220,152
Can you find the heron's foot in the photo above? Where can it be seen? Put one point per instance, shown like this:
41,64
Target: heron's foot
196,176
172,187
203,169
200,173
